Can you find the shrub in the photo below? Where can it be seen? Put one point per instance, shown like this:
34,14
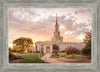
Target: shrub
11,55
37,51
55,47
62,51
55,52
72,50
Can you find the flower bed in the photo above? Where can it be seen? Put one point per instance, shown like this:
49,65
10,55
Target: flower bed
54,56
73,57
62,54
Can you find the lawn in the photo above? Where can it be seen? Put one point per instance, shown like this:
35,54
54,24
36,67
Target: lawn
31,58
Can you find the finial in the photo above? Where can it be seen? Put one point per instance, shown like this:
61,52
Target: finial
56,18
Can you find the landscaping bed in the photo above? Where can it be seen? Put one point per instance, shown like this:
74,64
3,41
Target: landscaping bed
54,56
74,56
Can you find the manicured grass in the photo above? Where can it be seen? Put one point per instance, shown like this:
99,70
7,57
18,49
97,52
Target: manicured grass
32,58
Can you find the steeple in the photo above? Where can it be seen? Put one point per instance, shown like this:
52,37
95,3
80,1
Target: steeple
56,25
57,36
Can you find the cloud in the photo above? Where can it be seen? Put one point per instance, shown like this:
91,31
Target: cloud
21,14
28,22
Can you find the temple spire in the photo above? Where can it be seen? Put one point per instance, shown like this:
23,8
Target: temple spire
57,36
56,33
56,18
56,25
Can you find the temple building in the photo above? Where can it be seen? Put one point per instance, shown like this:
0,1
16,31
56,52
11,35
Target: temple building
56,43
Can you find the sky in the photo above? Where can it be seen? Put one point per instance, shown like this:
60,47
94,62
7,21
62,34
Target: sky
38,23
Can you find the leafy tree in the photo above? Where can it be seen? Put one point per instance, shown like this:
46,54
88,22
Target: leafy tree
87,40
22,44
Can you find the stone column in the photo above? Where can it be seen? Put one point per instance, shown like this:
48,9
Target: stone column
44,50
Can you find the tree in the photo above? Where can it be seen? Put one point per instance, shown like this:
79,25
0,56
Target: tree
87,40
22,44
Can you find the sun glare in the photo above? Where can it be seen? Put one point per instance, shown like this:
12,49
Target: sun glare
81,37
11,45
62,27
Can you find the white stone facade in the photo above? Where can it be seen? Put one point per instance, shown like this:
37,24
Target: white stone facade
62,46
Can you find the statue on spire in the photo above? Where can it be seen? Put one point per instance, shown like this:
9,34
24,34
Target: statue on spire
56,15
56,18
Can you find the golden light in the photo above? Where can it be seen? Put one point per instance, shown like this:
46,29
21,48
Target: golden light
34,43
74,23
62,27
66,32
81,37
11,45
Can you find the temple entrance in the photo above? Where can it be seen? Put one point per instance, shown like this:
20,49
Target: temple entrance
48,49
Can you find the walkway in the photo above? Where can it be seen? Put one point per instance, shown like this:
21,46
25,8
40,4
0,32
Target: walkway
47,58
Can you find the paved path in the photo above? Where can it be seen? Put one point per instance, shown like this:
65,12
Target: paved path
47,58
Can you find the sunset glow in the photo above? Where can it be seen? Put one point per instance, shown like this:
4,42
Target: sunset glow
10,45
38,24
